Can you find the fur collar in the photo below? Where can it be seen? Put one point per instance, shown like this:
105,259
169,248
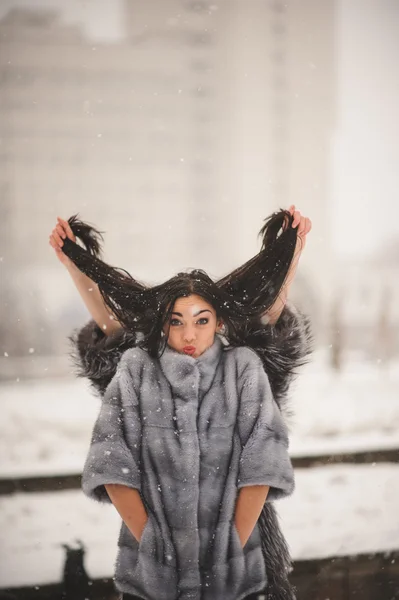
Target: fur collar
187,374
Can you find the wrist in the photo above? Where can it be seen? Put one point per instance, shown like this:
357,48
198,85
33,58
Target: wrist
72,268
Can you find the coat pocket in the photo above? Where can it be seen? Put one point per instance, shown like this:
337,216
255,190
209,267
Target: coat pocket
148,539
236,548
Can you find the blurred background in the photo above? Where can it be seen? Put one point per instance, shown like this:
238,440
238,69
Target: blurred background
176,127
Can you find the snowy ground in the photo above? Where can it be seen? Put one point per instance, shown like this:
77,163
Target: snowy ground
46,424
335,511
355,410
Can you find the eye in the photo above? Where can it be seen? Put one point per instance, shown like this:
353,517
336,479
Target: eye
174,322
203,319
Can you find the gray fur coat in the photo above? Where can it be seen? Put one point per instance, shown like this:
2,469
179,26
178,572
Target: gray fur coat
188,434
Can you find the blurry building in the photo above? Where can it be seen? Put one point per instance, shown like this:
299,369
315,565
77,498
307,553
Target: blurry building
124,134
177,141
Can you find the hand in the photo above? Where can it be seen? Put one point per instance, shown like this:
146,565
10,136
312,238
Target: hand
59,233
304,225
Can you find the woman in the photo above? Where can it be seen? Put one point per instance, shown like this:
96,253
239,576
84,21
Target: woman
190,444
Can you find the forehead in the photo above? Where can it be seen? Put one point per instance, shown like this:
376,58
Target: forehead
192,304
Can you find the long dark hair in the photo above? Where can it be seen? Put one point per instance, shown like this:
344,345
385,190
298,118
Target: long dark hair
239,299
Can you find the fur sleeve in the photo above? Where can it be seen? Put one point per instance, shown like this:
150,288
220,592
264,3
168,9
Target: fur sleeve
114,453
263,433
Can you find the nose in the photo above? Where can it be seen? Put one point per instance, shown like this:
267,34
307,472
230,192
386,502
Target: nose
188,334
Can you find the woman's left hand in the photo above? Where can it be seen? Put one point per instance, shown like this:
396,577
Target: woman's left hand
304,225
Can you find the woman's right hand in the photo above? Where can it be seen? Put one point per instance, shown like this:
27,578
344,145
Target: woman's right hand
61,231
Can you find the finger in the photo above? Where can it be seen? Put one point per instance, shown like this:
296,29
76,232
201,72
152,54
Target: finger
57,238
297,218
60,231
308,225
67,229
301,226
291,209
53,242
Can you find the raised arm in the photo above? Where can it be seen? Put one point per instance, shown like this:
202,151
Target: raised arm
93,300
304,226
86,287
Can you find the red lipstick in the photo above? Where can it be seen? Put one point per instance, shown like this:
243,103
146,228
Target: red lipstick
189,349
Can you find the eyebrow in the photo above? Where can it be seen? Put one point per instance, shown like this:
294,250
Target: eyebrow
196,314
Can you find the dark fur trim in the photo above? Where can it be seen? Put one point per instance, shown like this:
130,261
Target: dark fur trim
96,356
276,555
283,347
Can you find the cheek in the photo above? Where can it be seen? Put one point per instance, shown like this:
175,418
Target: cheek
210,330
172,333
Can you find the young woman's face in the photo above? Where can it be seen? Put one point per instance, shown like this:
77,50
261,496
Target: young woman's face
192,325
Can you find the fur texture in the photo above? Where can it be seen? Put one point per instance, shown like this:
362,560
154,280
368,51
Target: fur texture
282,348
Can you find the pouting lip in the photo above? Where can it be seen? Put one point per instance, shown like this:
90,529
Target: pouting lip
189,349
